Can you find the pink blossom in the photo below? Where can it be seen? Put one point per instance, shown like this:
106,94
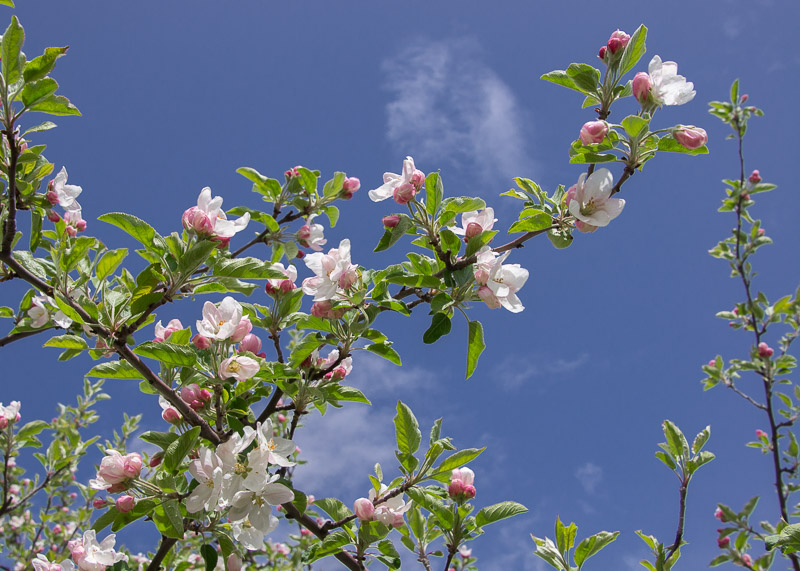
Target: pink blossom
747,560
311,235
593,132
243,328
125,503
391,181
239,367
325,310
163,333
723,542
98,503
250,343
208,218
234,562
117,470
755,177
618,41
201,342
591,201
765,350
475,222
720,515
404,193
284,285
334,272
364,509
461,486
760,434
349,187
390,221
691,137
641,86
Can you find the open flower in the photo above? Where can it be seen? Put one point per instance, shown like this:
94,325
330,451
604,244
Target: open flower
391,181
286,285
93,556
41,563
207,470
475,222
391,511
589,200
271,449
499,283
239,367
334,273
61,193
162,333
667,87
44,308
220,322
116,471
208,218
311,235
10,413
255,505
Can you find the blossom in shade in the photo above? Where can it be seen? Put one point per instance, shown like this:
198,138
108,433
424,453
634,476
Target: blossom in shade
311,235
251,537
239,367
41,563
220,322
391,182
44,309
208,218
590,199
334,272
667,87
475,222
91,555
163,333
391,511
207,470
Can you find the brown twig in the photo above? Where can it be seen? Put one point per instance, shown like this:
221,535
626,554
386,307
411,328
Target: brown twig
166,545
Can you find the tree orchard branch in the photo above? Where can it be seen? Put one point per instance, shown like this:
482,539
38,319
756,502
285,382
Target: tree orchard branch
311,525
163,549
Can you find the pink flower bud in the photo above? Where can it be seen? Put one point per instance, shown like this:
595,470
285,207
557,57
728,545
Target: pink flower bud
156,459
98,504
691,137
765,350
473,229
287,285
53,216
234,562
602,53
744,98
593,132
71,231
720,515
481,277
404,193
51,197
57,529
350,185
80,225
270,289
196,221
205,395
303,235
723,542
3,422
133,465
125,503
745,196
190,393
747,560
300,255
241,330
712,363
304,531
487,296
418,179
641,86
455,489
760,433
222,243
201,342
755,177
761,231
281,418
397,520
78,552
391,221
364,509
171,415
250,343
617,41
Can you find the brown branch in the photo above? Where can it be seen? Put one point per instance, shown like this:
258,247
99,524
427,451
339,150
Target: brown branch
163,550
10,229
311,525
21,335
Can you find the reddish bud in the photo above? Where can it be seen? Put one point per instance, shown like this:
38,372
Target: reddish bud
761,231
747,560
171,415
473,229
156,459
53,216
744,98
755,177
745,196
723,542
404,193
614,45
720,515
51,197
602,53
765,350
760,433
300,255
641,86
98,503
201,342
125,503
390,221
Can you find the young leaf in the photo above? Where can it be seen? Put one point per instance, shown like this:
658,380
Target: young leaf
134,226
406,429
633,51
39,67
170,354
433,192
591,545
440,326
503,510
385,351
177,451
475,346
13,38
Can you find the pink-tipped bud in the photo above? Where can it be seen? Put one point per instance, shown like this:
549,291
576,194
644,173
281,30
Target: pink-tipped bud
744,98
53,216
71,231
602,53
222,243
287,285
404,193
201,342
593,132
641,86
156,459
125,503
3,422
242,329
488,297
755,177
80,225
197,405
196,221
473,229
724,542
281,418
712,363
51,197
390,221
418,179
250,343
760,433
618,41
691,137
98,503
720,515
304,531
57,529
190,393
745,196
351,185
747,560
482,277
300,255
205,395
761,231
765,350
270,289
234,562
304,235
364,509
171,415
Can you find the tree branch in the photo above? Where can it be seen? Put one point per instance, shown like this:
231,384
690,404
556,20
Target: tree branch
163,550
311,525
21,335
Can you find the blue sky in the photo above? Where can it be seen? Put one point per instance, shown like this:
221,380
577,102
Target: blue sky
569,395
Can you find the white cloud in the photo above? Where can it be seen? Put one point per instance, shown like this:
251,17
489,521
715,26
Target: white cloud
589,475
449,106
517,370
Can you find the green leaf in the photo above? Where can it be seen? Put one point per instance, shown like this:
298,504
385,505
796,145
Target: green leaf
67,342
13,38
440,326
31,429
633,125
538,221
503,510
406,429
433,192
460,204
105,520
585,77
458,459
37,91
475,346
385,350
39,67
565,536
114,370
633,51
592,158
560,77
591,545
56,105
44,126
788,540
414,280
7,3
669,144
169,354
675,439
160,439
345,393
136,227
247,268
209,556
177,451
195,256
6,312
560,238
168,520
392,235
701,439
110,261
333,507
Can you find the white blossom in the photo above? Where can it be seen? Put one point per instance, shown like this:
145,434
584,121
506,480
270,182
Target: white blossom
219,322
669,88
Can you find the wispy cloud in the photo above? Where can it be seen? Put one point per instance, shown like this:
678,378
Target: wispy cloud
589,475
449,106
516,370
